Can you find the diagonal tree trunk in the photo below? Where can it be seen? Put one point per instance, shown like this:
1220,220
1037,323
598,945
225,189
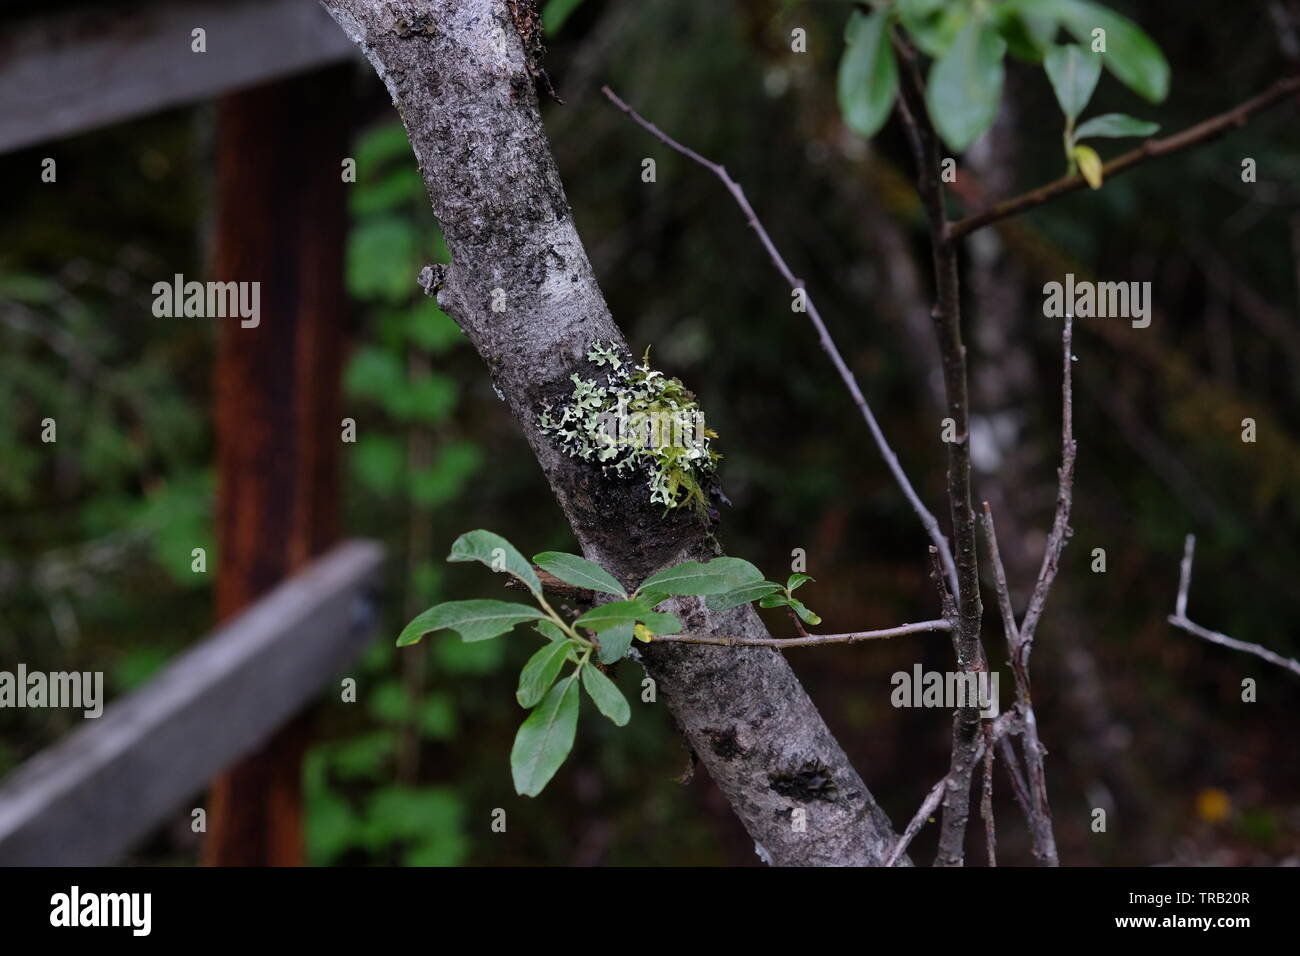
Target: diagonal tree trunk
457,73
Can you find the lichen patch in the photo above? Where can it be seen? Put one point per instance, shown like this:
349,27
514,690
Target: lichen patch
635,421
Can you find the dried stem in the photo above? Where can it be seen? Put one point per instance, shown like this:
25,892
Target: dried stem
928,806
1064,497
1179,619
1020,638
813,640
928,520
1032,799
1192,136
986,805
947,322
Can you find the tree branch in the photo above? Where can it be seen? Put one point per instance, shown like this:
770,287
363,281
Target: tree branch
1061,530
467,100
811,640
928,806
947,322
827,343
1034,802
1020,638
1202,132
1179,619
986,805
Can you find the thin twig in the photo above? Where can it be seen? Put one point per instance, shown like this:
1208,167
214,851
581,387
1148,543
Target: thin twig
995,732
1000,581
1033,800
928,520
947,323
1015,775
814,640
986,803
928,806
1151,149
1179,619
1037,809
1064,497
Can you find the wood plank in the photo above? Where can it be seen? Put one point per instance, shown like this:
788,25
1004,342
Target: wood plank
89,798
69,72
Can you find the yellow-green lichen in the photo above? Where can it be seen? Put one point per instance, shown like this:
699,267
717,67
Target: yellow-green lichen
636,421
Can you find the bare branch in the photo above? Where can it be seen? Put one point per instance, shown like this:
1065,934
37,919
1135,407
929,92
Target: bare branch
1000,580
1015,775
1034,803
947,323
1185,576
1064,497
928,806
1192,136
1179,619
813,640
1032,799
986,803
828,344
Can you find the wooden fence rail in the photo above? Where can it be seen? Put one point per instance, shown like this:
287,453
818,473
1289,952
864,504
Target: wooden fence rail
68,71
89,798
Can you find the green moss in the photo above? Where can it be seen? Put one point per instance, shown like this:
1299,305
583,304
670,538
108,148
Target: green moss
637,421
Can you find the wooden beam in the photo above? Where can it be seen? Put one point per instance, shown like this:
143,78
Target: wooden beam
280,220
69,72
86,800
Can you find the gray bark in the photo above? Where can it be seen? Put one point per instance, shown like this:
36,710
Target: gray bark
457,74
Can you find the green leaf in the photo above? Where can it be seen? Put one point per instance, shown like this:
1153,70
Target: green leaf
1130,55
1090,165
661,624
545,738
579,572
555,13
919,8
609,699
932,24
613,614
703,577
965,85
617,613
446,478
383,259
372,372
551,631
1028,33
1115,126
378,461
745,594
775,600
797,580
868,75
498,554
476,620
1074,73
805,615
614,642
540,672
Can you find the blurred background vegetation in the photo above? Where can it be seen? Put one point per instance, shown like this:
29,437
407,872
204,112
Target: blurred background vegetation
96,531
